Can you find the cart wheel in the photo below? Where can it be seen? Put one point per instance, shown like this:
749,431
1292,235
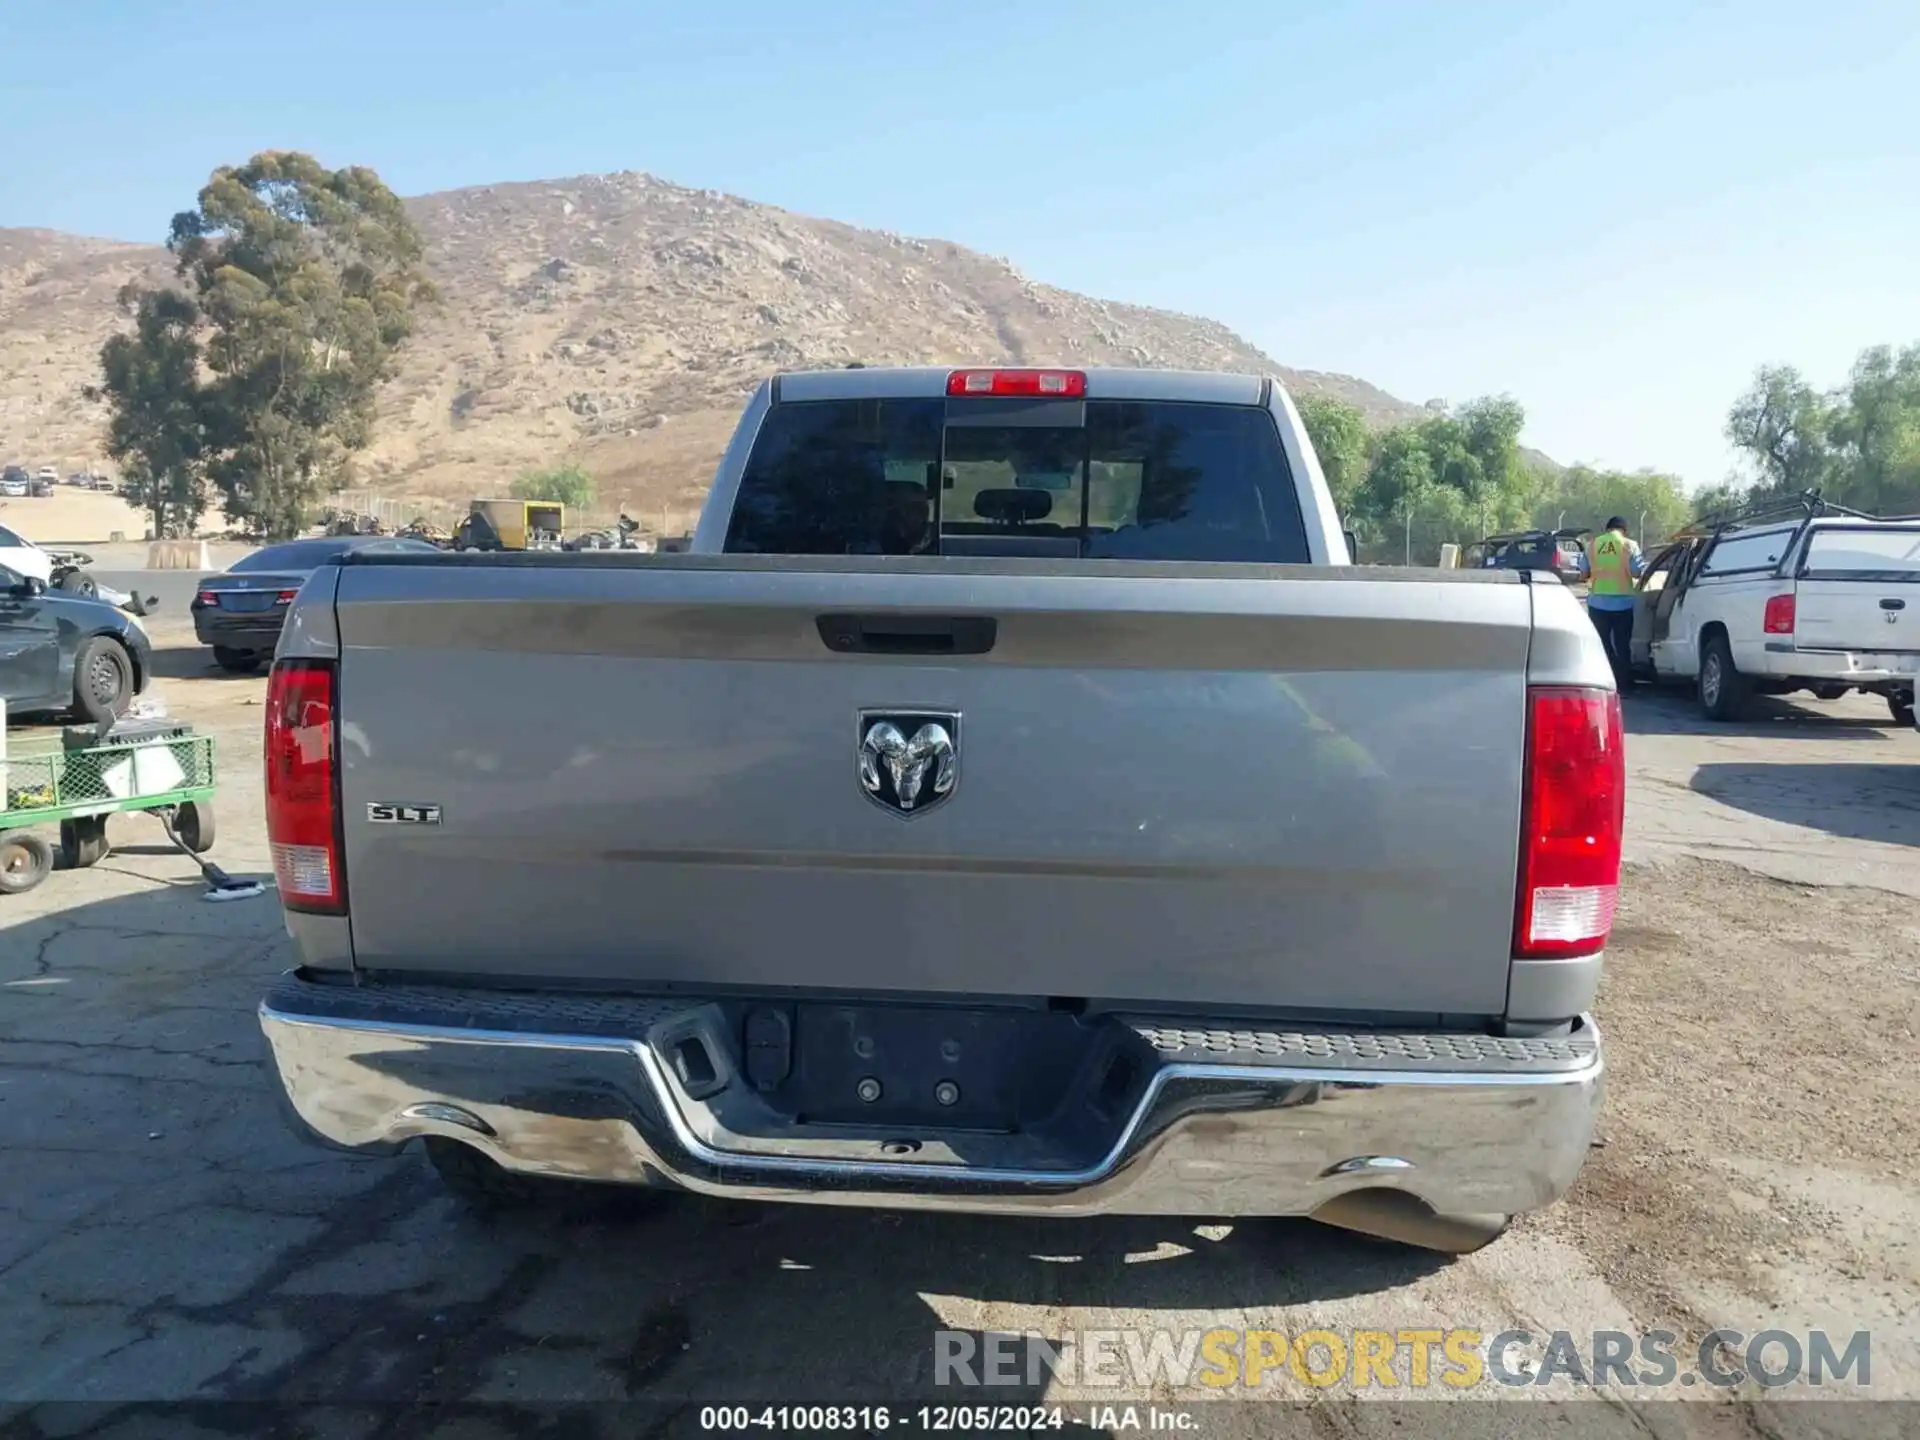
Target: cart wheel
193,824
24,863
84,841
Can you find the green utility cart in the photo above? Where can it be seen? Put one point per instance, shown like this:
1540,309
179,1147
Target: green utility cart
51,777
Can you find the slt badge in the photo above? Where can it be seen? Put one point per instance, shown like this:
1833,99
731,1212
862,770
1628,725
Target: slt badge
909,759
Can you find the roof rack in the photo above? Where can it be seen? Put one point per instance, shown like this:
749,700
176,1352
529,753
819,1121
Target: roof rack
1807,505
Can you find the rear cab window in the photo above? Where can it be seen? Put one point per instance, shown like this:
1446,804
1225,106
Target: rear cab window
1877,553
1035,477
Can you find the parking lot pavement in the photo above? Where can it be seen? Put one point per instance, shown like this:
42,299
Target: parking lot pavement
1813,792
163,1235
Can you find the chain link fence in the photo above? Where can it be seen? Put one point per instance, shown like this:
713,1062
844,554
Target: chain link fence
393,512
1402,543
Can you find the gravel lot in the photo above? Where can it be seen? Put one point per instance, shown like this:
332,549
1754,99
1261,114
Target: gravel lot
165,1237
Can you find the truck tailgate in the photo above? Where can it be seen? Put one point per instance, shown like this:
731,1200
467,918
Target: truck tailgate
1278,788
1860,616
1857,589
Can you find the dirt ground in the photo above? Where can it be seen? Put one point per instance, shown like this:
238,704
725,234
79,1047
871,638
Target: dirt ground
72,514
164,1237
1758,1148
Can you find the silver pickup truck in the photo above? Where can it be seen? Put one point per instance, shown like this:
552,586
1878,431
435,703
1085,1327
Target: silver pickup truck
1015,801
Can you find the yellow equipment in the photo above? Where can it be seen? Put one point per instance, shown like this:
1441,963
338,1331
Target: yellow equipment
513,525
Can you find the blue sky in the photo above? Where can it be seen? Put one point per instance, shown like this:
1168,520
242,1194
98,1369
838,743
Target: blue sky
1612,211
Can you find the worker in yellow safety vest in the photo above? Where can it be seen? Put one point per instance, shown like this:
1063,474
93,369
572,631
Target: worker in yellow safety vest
1613,561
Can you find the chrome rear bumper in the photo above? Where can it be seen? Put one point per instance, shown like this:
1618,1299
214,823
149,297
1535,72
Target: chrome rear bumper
1216,1122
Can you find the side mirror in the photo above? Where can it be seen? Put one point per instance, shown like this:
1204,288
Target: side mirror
31,586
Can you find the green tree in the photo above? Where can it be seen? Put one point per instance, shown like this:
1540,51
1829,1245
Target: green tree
1859,444
1720,499
1654,505
150,382
1506,483
1399,485
1782,425
1457,476
1453,462
1874,428
1450,477
571,485
310,280
1342,441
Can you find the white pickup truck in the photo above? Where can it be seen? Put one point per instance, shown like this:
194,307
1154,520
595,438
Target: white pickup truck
1808,597
1017,802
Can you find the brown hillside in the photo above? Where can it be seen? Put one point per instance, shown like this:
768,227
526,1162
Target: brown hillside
617,320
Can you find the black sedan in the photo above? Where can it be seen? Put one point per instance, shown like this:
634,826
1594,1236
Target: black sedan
60,651
239,613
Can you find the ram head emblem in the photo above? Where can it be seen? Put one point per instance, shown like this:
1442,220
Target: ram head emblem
909,762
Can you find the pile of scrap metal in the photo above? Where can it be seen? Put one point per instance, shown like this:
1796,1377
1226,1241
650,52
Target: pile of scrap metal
346,522
423,529
624,536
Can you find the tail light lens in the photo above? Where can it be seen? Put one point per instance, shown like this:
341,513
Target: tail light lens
1778,616
303,786
206,597
285,597
1067,384
1571,820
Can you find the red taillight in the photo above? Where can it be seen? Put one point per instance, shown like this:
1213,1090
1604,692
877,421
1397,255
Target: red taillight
1069,384
303,823
1778,616
1571,817
285,597
206,597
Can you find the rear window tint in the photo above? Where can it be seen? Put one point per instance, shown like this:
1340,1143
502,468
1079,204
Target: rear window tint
1149,480
840,477
1174,481
1015,489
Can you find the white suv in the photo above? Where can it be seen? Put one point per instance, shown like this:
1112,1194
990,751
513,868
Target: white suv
1808,598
